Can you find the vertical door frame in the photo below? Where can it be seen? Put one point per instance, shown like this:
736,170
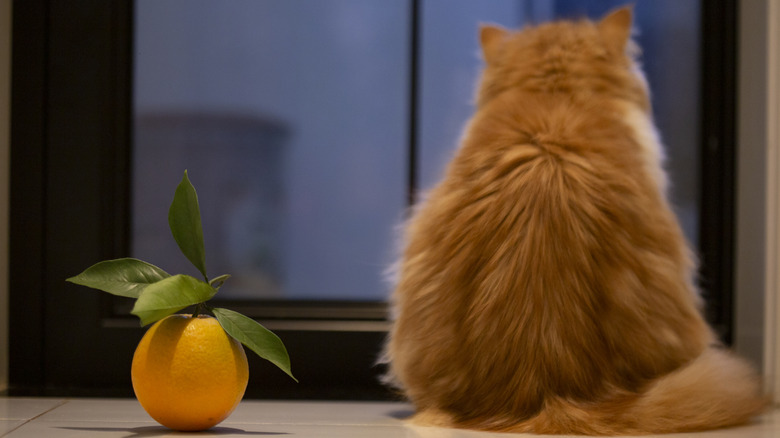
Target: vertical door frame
757,282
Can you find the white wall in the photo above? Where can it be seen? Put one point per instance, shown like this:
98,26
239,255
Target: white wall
758,190
5,98
773,144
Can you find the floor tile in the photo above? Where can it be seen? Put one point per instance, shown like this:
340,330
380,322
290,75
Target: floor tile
104,410
437,432
66,429
58,429
9,425
110,418
766,426
247,412
26,408
321,413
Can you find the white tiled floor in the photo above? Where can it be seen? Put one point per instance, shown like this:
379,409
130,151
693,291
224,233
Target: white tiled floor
109,418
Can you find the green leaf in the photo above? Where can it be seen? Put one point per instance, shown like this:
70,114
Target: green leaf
125,277
217,282
170,295
256,337
184,220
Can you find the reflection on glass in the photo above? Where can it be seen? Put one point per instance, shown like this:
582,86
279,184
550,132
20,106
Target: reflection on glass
668,32
236,164
291,117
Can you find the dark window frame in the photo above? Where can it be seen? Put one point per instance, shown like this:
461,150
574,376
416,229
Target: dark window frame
718,134
70,154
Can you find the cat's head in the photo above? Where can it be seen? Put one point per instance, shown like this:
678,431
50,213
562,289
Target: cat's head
573,57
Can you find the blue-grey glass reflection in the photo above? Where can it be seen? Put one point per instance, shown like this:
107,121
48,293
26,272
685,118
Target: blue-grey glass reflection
291,117
668,31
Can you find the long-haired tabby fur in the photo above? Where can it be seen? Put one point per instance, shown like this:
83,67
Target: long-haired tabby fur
545,285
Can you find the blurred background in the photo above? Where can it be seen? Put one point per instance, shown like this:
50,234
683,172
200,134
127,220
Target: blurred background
294,116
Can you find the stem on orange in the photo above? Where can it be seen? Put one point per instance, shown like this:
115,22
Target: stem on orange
200,308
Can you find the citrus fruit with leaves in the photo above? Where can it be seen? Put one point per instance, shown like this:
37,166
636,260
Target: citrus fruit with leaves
158,295
188,374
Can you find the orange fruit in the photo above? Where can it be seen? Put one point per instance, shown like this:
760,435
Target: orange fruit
188,374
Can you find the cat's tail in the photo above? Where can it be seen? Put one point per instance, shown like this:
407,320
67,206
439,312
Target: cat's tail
715,390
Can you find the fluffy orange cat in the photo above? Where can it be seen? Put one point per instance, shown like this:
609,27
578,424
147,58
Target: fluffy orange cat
545,285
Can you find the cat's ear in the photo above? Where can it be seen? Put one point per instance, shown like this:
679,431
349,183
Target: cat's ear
615,27
490,37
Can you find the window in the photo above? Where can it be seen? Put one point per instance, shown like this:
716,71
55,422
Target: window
306,127
292,118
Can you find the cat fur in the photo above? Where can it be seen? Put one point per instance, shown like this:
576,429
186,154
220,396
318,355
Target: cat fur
545,285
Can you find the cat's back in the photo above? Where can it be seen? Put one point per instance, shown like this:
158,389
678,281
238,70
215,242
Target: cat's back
539,255
547,241
545,285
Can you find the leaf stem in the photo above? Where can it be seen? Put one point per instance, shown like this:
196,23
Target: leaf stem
200,308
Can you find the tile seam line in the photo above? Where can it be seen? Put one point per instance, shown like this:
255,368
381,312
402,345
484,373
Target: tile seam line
227,423
31,419
269,423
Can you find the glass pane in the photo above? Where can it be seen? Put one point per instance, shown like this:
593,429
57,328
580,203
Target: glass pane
449,68
668,34
291,118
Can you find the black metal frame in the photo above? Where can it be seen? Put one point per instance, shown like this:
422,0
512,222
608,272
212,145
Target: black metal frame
69,139
70,155
718,162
